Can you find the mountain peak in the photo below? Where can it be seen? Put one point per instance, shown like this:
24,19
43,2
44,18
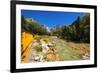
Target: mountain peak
30,20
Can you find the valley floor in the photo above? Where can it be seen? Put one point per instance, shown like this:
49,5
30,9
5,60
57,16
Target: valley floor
51,48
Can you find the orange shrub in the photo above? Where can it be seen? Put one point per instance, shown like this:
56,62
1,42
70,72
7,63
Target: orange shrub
26,41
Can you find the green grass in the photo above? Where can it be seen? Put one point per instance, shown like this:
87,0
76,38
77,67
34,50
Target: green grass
65,52
38,48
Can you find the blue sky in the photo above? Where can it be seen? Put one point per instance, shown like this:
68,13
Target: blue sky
51,18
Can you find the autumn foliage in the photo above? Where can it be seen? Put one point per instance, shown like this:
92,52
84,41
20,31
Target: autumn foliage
26,44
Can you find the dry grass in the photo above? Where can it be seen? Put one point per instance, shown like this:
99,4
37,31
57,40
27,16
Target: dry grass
79,48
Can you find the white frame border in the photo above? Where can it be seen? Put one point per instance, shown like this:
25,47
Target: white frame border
20,65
